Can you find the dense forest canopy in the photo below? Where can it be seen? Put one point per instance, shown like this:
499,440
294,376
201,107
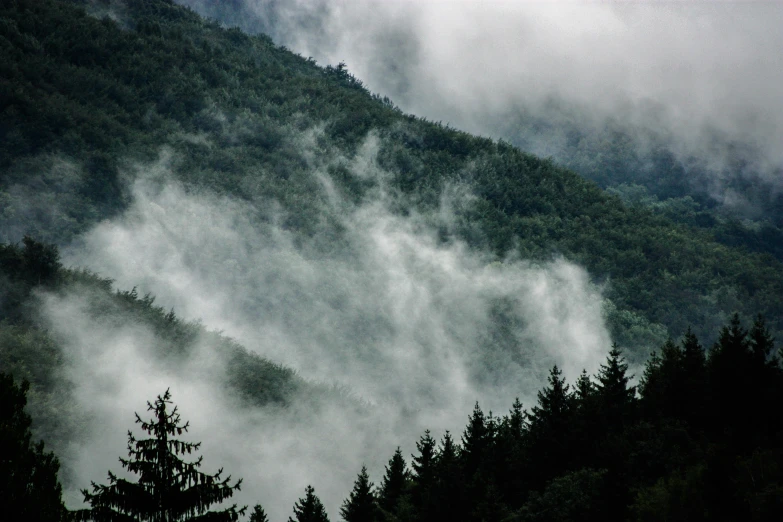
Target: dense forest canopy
363,275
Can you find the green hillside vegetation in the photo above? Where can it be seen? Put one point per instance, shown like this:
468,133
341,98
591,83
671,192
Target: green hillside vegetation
639,166
84,98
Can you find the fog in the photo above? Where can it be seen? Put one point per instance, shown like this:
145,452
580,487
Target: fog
700,77
415,328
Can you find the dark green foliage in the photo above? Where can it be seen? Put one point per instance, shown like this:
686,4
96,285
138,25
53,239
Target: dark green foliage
361,505
168,488
29,488
258,514
422,488
395,484
549,434
95,95
597,452
576,496
309,508
475,441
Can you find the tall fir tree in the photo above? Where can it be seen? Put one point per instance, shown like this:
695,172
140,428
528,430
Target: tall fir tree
258,514
475,440
694,368
29,489
394,484
449,489
423,479
309,508
169,489
549,447
361,505
616,399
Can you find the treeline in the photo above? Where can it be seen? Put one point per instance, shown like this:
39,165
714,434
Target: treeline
699,438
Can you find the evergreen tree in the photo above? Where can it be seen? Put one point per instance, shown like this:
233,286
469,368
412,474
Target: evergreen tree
395,483
361,505
517,421
694,369
731,383
423,481
258,514
29,489
615,397
169,489
549,448
761,342
309,508
475,440
510,471
449,489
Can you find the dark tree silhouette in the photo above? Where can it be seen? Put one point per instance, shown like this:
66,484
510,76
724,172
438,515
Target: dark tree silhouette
395,483
28,476
309,508
258,514
169,489
361,505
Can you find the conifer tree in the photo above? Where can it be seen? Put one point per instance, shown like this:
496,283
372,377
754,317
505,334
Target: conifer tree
761,342
550,428
731,385
169,489
309,508
517,421
423,481
615,397
29,489
258,514
694,368
448,494
475,440
361,505
394,484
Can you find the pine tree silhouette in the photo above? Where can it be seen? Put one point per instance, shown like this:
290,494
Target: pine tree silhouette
309,508
258,514
169,489
28,475
361,505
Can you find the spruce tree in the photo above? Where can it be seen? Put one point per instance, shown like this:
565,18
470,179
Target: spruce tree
423,481
309,508
449,490
361,505
28,475
169,489
475,440
694,368
549,435
258,514
394,484
616,399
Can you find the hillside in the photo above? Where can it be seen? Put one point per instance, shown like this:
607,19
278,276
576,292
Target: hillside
85,96
311,268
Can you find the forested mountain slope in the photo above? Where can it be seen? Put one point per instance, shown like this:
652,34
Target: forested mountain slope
141,122
85,96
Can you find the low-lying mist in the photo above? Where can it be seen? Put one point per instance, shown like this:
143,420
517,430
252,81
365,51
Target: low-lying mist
414,327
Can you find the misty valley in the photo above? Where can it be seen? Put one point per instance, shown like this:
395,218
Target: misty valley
274,294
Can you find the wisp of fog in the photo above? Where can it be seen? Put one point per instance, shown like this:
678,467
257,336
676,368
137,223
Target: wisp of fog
703,77
416,328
